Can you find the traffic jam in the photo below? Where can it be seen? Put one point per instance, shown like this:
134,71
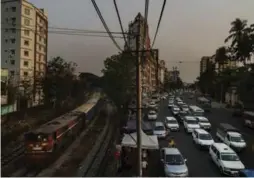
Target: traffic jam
223,144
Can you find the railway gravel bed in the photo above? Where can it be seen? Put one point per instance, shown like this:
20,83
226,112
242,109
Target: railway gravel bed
70,166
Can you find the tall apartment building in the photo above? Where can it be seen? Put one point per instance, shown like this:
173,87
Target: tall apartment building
161,72
204,62
24,42
149,63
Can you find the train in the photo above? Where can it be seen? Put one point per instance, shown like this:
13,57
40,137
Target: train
45,142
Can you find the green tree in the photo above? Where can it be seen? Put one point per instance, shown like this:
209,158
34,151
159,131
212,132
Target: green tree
58,82
241,40
119,78
221,57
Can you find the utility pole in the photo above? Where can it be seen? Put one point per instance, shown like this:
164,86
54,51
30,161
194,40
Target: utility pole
139,95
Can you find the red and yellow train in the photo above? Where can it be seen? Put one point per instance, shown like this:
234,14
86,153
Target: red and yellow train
47,140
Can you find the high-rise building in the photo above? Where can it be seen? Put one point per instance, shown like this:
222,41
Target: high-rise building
149,61
24,43
161,73
204,62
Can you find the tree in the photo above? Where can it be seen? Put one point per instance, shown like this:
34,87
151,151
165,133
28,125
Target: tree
59,80
119,78
241,40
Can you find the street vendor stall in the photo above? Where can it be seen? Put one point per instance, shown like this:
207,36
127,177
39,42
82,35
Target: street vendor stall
147,141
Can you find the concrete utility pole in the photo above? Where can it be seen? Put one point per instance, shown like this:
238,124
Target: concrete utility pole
139,95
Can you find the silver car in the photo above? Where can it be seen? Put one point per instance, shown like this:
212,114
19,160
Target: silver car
173,162
160,130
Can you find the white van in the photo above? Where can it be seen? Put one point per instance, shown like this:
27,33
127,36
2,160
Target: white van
196,111
226,159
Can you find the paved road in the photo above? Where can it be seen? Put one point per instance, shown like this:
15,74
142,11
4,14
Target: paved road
198,161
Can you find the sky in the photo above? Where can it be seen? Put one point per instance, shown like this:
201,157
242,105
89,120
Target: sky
189,29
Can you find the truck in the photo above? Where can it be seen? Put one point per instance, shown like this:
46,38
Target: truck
230,136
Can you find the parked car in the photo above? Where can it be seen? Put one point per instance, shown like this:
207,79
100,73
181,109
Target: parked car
175,110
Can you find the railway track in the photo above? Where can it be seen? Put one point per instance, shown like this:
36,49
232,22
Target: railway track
12,156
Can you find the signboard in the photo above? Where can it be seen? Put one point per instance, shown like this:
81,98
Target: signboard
8,109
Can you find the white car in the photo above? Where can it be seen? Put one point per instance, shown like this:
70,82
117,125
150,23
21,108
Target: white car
175,110
204,122
190,123
160,130
185,107
153,105
226,159
152,115
172,124
202,138
170,103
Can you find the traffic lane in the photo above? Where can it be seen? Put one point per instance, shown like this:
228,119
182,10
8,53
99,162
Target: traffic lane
221,115
198,161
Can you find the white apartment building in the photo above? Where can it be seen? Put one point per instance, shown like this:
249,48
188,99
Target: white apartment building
24,40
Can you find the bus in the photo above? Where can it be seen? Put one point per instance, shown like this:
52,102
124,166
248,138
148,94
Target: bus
204,103
248,117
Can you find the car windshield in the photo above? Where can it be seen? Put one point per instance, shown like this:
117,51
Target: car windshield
205,137
229,157
236,139
171,121
159,128
192,122
204,122
174,159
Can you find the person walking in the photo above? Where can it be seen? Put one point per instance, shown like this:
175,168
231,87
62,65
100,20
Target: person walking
144,168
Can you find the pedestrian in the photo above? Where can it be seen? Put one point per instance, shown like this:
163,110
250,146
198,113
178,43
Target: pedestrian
144,168
144,154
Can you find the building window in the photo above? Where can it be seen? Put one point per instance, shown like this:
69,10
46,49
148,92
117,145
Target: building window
6,40
12,73
39,47
13,30
26,43
25,74
13,41
6,9
26,32
6,30
27,22
12,51
45,40
25,63
27,11
13,20
13,9
7,20
39,38
13,62
26,53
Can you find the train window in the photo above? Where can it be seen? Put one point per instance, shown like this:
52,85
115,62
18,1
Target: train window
35,137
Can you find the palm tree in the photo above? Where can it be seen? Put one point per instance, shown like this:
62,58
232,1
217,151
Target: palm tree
241,45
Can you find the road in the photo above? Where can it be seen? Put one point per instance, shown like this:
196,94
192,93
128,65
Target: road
199,162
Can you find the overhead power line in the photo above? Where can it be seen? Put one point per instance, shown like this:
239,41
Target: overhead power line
158,25
104,24
62,28
120,22
66,33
